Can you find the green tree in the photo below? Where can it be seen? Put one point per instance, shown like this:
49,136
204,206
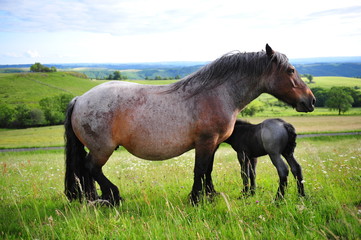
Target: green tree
6,115
252,108
309,78
36,117
117,75
38,67
339,100
54,108
22,116
321,95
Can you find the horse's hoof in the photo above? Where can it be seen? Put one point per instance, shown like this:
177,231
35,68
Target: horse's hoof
100,202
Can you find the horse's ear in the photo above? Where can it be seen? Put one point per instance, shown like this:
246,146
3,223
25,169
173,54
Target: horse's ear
269,51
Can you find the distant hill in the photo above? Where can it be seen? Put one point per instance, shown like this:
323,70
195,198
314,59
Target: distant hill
336,66
30,88
330,69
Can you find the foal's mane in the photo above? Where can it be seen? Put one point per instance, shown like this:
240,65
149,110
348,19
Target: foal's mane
234,65
240,122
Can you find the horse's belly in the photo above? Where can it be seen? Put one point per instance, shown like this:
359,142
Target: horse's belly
155,150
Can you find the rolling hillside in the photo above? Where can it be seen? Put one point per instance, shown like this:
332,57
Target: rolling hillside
30,88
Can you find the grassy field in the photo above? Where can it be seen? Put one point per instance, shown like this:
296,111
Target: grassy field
328,82
156,207
30,88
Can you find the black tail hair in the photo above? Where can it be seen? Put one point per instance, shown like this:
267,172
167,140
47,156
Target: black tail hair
75,155
291,145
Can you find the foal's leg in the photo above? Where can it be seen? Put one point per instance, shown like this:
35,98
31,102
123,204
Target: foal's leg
252,174
283,171
204,154
244,162
297,173
110,192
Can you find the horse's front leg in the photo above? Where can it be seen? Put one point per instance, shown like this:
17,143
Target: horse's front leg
204,156
244,162
210,190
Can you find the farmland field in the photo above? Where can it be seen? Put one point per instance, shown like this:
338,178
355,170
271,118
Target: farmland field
156,207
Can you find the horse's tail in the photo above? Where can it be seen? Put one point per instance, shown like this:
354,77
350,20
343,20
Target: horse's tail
74,158
291,144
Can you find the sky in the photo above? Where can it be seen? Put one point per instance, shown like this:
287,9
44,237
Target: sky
130,31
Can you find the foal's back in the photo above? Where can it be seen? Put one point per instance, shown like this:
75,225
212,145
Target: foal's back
255,140
247,138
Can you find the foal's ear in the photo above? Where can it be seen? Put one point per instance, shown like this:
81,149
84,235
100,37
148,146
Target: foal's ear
269,51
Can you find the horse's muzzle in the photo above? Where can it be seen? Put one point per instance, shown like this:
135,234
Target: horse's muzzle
306,105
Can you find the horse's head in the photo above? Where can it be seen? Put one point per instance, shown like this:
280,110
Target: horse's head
284,82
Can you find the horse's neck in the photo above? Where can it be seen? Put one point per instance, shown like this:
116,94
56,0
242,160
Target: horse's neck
244,91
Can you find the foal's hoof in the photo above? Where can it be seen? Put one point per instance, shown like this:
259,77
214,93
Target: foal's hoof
109,202
101,202
194,198
212,195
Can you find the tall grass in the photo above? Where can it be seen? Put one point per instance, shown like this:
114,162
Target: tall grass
156,207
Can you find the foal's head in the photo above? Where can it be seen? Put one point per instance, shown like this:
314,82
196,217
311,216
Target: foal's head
284,82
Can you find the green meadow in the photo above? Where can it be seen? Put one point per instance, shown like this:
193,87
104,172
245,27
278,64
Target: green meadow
156,198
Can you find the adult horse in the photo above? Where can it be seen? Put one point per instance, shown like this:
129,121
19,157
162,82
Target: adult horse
274,137
161,122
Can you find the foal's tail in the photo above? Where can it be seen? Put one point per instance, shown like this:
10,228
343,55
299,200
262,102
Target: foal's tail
291,144
74,158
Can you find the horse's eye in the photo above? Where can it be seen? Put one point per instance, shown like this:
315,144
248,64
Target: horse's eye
291,71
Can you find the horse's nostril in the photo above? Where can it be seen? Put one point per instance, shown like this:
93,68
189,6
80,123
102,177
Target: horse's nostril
313,101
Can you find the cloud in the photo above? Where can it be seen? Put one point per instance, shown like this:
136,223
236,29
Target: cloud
32,54
352,11
125,17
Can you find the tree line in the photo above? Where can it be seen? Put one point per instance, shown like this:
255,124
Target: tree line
51,112
339,99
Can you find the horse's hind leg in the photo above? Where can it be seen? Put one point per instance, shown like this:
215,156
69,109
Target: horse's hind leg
283,171
252,174
297,173
110,192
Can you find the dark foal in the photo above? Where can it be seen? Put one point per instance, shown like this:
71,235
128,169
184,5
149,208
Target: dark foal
274,137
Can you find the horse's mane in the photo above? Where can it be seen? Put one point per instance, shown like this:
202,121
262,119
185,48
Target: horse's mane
232,65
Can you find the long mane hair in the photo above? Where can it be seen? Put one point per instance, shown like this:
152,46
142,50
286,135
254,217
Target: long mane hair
234,65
